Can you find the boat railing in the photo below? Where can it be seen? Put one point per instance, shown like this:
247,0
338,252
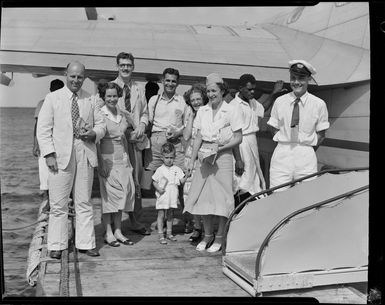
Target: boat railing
285,220
271,190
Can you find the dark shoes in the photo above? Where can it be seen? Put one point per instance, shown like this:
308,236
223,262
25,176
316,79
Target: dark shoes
90,252
142,231
55,254
113,243
197,233
188,228
127,242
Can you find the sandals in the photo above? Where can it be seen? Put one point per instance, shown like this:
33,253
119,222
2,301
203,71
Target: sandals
113,243
123,240
196,235
163,240
171,237
127,242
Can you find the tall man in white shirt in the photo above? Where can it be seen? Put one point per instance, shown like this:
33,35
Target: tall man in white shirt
134,103
299,121
69,125
251,181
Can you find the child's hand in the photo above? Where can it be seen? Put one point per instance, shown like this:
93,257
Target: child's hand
161,191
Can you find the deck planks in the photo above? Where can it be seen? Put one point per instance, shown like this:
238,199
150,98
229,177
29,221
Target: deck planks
146,268
151,269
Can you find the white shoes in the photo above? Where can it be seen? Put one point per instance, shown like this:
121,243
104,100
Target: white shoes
203,244
215,247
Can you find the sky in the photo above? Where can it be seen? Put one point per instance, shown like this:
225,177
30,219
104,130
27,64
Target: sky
27,91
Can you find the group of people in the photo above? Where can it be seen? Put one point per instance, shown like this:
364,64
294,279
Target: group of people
200,150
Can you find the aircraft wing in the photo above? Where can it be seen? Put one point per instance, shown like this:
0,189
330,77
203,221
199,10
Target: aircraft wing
46,47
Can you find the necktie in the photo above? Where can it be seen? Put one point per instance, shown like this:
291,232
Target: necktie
127,98
75,115
295,115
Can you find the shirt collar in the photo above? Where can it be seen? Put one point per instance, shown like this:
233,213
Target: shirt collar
69,93
174,97
121,83
224,107
241,101
118,117
303,98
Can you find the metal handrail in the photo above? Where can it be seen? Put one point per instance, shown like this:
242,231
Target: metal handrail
287,218
268,191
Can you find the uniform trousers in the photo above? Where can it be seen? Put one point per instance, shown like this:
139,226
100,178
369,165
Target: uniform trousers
43,174
291,161
78,177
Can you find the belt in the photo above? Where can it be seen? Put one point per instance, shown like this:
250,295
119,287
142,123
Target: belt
174,140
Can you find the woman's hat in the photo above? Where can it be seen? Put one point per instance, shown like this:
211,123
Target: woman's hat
213,78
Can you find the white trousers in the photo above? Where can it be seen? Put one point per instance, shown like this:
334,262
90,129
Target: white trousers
78,177
291,161
43,174
249,181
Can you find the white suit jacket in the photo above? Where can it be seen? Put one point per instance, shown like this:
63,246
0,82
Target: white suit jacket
54,128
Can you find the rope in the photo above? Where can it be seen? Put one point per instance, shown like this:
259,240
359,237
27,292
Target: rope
20,228
32,224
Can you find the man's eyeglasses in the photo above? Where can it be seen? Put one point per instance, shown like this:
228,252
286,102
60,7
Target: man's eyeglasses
125,65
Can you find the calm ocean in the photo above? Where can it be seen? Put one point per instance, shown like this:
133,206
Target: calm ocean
20,199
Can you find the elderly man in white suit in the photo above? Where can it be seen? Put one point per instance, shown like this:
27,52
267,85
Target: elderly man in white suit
69,124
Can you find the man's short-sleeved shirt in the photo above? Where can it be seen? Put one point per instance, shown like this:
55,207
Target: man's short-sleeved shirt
167,112
250,113
313,117
220,128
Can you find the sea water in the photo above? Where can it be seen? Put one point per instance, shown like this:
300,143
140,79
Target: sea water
20,198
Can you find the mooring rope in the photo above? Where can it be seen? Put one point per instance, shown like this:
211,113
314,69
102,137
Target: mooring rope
30,225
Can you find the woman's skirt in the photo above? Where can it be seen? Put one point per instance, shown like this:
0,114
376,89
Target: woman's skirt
211,188
118,189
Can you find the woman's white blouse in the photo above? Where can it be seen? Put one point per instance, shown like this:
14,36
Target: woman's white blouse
220,128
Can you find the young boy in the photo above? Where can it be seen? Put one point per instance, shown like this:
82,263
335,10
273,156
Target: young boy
166,180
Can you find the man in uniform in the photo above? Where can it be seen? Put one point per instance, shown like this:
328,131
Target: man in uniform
299,121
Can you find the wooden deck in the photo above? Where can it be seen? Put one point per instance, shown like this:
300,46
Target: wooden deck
144,269
151,269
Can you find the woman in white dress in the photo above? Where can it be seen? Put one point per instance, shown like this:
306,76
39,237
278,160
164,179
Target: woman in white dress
219,129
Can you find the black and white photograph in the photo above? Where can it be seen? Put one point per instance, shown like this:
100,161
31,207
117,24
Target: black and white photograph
191,151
